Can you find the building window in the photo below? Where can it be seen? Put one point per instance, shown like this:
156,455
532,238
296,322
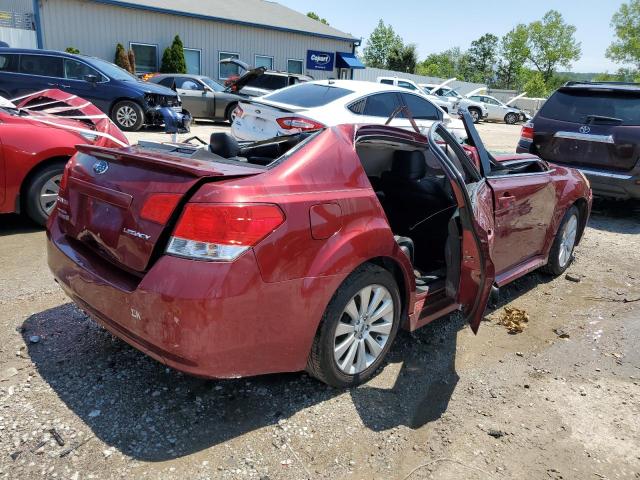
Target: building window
192,58
294,66
264,61
146,57
226,70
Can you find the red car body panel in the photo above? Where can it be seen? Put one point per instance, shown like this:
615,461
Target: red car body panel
259,313
28,142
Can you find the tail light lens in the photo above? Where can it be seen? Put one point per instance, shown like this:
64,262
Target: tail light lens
65,175
527,132
299,123
238,112
159,206
222,232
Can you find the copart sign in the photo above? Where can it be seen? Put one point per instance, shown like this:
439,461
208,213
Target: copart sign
320,60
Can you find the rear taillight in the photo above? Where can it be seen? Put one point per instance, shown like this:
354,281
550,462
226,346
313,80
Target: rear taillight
238,112
159,206
65,176
298,123
527,132
209,231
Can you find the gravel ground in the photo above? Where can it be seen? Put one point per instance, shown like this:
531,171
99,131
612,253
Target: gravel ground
560,400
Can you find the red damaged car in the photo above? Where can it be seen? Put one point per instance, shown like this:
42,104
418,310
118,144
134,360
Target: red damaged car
303,252
37,137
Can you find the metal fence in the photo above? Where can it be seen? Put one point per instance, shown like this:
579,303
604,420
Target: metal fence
370,74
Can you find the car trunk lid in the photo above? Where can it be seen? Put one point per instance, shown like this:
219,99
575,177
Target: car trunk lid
108,193
260,119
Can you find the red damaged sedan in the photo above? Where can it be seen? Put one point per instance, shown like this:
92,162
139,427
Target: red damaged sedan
303,252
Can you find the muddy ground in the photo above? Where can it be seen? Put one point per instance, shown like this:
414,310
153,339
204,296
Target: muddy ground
559,400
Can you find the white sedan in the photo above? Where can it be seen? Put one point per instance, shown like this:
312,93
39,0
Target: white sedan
324,103
499,111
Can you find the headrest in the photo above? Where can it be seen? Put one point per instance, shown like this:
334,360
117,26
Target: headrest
411,165
223,144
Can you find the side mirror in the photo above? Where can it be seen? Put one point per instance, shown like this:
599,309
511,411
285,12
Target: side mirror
91,78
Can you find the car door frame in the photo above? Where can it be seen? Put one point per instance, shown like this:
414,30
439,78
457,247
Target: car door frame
475,201
203,111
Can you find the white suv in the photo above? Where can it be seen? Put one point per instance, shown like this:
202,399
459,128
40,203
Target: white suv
477,110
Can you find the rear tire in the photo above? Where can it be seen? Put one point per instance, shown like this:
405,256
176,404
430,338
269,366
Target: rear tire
476,114
561,252
229,113
128,116
356,333
510,118
42,192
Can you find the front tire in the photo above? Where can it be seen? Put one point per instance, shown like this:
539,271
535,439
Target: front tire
561,252
476,115
42,192
357,329
128,116
510,118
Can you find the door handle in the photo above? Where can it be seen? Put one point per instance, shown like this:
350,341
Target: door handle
52,84
506,201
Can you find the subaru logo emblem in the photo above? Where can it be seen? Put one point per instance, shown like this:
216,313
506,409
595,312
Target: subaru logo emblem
100,167
585,129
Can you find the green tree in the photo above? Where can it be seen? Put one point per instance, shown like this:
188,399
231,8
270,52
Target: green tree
403,58
132,61
317,17
552,44
514,51
121,59
535,84
450,63
483,55
626,23
173,60
379,45
72,50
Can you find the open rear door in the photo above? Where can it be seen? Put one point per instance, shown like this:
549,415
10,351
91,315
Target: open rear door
475,202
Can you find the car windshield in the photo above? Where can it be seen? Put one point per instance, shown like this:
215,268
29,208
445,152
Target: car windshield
110,70
212,84
308,95
578,105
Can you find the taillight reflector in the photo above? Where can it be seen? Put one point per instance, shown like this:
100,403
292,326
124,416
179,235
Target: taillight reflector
298,123
159,206
222,231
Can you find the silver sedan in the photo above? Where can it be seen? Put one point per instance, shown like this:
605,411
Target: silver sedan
499,111
201,96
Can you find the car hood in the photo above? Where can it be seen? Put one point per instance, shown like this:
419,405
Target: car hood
148,87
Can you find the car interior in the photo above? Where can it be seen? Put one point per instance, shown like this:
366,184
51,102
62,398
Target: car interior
418,201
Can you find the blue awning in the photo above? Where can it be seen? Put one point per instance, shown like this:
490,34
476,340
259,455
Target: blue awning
348,60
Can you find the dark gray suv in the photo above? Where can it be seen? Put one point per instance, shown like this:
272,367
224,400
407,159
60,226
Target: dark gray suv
594,127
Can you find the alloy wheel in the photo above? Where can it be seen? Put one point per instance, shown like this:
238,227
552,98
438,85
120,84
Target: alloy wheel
474,115
363,329
126,116
49,193
568,240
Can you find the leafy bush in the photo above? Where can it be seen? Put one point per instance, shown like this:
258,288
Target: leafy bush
122,60
72,50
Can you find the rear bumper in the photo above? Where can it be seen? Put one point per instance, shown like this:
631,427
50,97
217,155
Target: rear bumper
613,184
210,319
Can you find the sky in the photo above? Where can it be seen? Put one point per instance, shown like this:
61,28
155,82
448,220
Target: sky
435,26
